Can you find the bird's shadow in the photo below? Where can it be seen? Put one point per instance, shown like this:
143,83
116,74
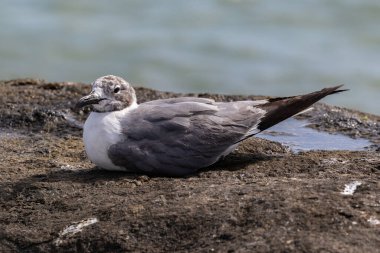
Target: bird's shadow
232,162
237,161
89,176
29,184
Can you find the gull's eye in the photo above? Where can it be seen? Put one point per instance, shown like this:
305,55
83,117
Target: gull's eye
116,90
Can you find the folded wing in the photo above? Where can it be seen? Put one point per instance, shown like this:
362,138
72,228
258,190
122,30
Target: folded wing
179,136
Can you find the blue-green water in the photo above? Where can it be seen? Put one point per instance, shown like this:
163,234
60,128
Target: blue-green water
266,47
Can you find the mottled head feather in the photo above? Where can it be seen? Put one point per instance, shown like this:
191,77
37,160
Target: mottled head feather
116,93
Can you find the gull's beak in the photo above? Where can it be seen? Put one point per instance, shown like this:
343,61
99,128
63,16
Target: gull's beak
90,99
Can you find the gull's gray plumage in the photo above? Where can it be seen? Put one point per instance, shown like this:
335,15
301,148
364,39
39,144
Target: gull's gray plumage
175,136
178,136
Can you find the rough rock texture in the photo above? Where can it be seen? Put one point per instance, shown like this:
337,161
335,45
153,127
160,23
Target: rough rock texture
261,198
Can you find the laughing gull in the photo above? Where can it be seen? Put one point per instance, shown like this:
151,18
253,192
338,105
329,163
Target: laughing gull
175,136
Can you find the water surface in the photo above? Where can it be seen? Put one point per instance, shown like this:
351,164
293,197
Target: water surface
266,47
298,137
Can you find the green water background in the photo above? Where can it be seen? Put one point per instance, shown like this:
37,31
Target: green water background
267,47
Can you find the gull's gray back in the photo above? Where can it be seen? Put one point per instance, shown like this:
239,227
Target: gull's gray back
180,135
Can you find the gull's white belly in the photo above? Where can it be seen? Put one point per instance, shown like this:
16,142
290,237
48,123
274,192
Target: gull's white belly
100,131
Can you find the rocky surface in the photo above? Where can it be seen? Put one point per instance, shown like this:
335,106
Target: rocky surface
261,198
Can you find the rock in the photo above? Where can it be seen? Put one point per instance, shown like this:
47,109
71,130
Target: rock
261,198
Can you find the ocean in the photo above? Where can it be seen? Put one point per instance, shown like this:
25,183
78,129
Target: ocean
265,47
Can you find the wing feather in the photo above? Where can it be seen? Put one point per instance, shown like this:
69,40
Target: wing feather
178,136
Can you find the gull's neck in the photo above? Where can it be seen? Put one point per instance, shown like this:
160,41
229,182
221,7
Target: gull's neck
118,113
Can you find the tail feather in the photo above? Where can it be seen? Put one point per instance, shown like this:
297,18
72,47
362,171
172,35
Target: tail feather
279,109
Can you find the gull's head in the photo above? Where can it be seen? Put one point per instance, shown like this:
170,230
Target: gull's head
109,93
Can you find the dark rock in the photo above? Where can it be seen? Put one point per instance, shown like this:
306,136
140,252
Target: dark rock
261,198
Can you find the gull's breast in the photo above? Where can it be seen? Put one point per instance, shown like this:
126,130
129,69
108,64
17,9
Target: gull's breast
100,131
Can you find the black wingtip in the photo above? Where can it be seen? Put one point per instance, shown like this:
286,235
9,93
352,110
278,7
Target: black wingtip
279,109
335,89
